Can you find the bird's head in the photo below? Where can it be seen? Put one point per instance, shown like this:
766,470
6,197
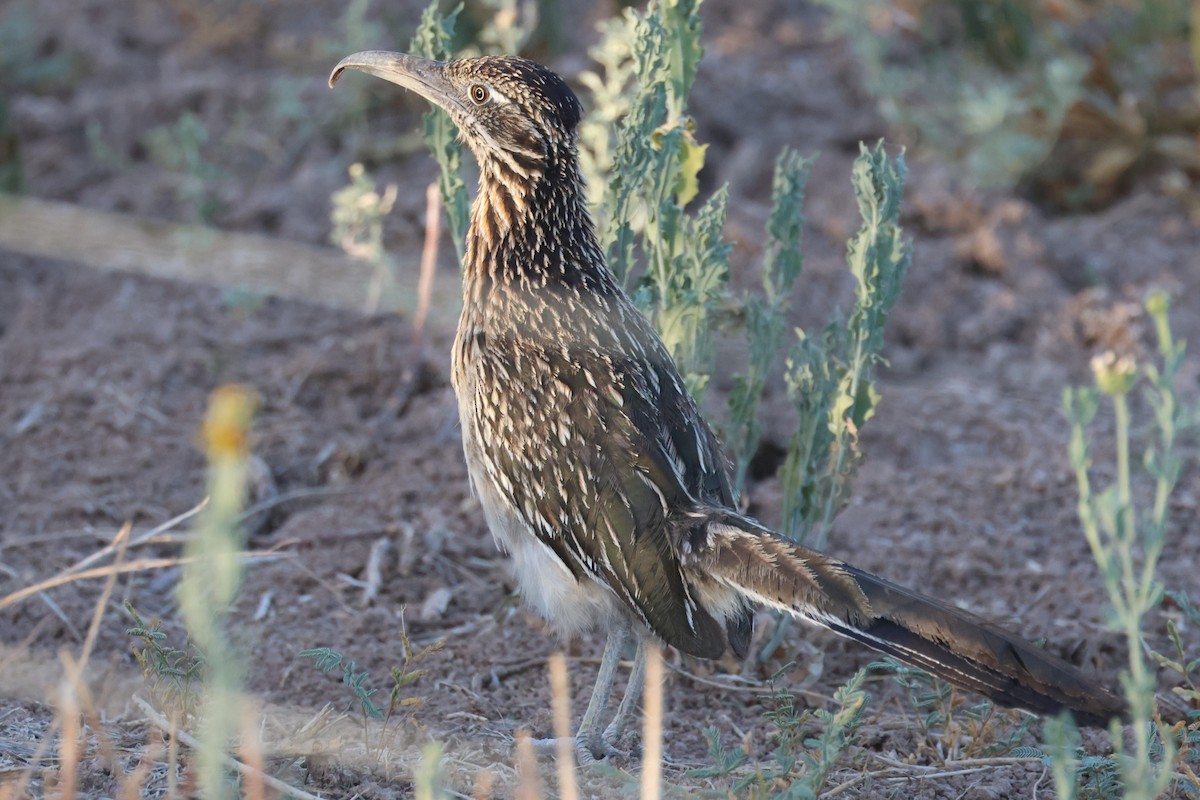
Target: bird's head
513,113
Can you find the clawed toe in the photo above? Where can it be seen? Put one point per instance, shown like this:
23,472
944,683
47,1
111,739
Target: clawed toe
589,750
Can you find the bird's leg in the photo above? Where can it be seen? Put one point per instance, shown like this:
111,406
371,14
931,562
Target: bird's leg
590,739
633,693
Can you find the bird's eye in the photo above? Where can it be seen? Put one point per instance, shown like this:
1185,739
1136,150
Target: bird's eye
480,93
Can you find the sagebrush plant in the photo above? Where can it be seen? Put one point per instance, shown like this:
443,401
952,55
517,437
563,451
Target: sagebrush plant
432,40
1071,97
356,215
179,149
1127,542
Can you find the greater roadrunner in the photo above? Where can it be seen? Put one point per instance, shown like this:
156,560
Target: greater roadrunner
595,470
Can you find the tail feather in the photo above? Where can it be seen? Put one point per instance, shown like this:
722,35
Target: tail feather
948,642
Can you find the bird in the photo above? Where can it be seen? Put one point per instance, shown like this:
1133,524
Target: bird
595,469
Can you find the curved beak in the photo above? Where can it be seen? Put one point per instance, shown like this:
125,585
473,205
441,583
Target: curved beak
422,75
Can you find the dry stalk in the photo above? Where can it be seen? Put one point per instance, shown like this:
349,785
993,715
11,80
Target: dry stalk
433,228
528,786
560,695
139,565
247,771
652,726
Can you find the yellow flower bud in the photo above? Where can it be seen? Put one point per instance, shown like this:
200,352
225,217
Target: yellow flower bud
1115,375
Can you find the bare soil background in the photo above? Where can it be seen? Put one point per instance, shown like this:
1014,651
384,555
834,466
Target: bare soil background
966,491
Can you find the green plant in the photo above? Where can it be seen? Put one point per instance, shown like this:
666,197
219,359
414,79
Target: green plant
22,67
765,315
1179,662
1070,98
802,759
357,213
432,40
178,148
328,660
212,574
403,676
508,25
173,676
962,730
1126,542
829,378
356,30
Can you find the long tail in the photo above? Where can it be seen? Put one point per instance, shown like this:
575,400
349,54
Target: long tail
945,641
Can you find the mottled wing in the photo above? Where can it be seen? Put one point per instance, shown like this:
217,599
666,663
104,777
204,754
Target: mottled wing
607,455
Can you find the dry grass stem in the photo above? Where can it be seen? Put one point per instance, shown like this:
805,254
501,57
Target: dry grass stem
652,726
131,785
140,565
72,733
247,771
528,785
560,694
433,228
485,781
250,749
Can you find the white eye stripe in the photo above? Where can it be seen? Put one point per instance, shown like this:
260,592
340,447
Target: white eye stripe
481,93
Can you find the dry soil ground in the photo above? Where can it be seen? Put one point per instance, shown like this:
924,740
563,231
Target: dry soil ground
966,491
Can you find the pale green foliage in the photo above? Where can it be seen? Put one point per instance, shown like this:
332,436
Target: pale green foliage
173,676
1127,542
765,315
1062,745
653,176
1069,98
211,576
22,66
355,30
829,378
999,122
610,85
427,777
657,159
357,212
179,148
509,27
432,40
802,761
687,278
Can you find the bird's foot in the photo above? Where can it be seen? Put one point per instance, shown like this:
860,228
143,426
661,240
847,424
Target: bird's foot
588,749
612,737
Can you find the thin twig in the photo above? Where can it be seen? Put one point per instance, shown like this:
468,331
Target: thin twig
911,772
294,494
141,565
